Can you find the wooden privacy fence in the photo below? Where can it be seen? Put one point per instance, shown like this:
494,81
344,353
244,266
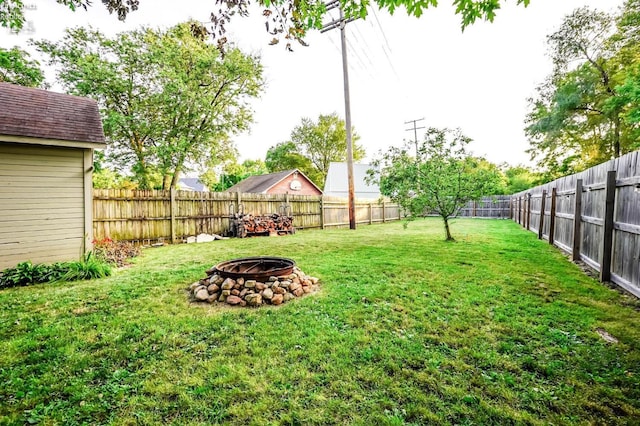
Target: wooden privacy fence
593,215
145,216
494,207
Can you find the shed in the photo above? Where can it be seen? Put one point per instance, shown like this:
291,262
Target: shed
46,161
337,183
286,182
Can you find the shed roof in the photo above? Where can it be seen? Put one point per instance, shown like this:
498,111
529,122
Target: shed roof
37,113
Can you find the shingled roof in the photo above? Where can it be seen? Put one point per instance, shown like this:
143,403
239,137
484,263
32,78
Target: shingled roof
37,113
259,184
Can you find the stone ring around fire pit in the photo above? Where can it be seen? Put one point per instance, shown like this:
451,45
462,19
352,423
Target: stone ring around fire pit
253,281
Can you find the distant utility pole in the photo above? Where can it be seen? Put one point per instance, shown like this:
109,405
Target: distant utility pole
342,23
415,131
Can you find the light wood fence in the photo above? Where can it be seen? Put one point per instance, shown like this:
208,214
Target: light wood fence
172,216
593,215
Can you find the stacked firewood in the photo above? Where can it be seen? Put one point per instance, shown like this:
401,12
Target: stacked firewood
244,225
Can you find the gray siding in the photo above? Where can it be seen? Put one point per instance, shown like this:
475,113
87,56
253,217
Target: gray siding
41,204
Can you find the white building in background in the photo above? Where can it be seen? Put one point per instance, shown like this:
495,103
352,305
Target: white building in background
337,185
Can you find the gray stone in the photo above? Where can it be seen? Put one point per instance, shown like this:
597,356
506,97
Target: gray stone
202,294
267,293
272,278
213,288
227,284
288,296
213,297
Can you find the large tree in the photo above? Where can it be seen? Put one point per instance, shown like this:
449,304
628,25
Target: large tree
441,179
17,67
290,19
577,118
324,141
285,156
168,98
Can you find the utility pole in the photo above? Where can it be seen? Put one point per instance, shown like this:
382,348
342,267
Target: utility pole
342,23
415,131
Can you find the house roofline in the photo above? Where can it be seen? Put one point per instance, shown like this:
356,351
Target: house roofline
289,174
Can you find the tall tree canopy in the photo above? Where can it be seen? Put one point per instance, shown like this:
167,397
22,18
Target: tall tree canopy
583,112
290,19
441,179
313,146
285,156
168,98
17,67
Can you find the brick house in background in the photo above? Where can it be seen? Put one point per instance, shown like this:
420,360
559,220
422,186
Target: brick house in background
292,182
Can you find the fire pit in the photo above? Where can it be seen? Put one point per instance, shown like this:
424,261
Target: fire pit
255,268
253,281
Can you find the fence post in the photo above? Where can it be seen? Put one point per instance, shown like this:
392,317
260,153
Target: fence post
519,210
238,201
172,199
322,212
607,242
552,216
542,207
370,213
528,217
510,208
383,211
577,221
474,209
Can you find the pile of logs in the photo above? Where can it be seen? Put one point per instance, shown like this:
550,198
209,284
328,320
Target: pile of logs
243,225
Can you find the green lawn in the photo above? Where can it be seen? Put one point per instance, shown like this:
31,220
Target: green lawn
496,328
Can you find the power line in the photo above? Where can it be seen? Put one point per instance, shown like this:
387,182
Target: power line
385,49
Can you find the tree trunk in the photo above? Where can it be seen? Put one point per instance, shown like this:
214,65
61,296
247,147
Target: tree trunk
176,178
166,182
446,229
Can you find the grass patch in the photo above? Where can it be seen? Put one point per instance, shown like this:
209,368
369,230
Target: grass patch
496,328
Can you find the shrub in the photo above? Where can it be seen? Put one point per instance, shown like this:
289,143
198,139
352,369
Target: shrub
115,252
26,273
